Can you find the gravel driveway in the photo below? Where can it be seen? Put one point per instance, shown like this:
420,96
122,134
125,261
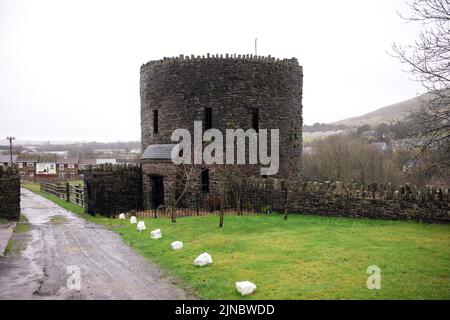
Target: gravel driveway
109,269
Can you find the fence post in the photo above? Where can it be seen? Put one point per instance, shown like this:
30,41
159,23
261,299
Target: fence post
240,201
67,192
197,204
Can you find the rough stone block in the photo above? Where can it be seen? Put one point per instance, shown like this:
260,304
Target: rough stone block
203,260
141,226
245,287
156,234
176,245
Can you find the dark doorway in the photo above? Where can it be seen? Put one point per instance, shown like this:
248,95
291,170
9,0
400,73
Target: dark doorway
205,181
157,191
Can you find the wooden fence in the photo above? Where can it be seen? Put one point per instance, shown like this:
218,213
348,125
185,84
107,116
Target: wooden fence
66,191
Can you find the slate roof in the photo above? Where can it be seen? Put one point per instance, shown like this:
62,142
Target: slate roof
127,161
66,160
158,152
105,161
87,162
27,157
47,157
7,158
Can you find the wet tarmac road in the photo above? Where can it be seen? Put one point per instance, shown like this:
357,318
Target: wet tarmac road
108,268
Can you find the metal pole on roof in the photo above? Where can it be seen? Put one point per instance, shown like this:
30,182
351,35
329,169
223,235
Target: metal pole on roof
10,147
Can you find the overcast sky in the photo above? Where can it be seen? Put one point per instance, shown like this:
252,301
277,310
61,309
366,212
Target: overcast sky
69,70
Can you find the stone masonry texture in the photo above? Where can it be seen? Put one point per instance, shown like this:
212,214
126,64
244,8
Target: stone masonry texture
9,193
232,86
110,190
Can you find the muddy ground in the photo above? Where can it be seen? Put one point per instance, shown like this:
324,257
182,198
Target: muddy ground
67,243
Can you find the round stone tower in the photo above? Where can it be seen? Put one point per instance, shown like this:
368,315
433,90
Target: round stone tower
224,92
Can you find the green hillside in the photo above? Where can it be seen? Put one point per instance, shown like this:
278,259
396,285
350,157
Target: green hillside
393,112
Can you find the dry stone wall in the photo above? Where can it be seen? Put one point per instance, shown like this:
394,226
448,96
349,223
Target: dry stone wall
9,193
407,202
111,189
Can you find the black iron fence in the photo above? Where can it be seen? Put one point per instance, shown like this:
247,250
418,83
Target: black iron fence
245,202
66,191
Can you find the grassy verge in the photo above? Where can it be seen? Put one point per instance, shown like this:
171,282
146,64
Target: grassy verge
16,244
58,219
76,183
305,257
22,226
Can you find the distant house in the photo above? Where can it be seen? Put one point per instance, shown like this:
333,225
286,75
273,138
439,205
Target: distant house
46,166
67,167
29,149
5,159
132,161
27,165
83,164
105,161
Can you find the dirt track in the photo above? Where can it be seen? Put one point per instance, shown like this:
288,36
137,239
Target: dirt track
109,268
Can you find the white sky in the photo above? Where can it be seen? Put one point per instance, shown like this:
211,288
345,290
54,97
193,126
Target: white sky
69,70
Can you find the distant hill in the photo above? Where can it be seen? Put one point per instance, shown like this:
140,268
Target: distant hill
397,111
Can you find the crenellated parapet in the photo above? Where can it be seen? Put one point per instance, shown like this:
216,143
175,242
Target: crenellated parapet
186,59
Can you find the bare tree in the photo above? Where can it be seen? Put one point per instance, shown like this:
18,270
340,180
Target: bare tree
224,173
428,60
286,198
185,178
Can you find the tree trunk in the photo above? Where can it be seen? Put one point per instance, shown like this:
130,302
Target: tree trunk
286,203
222,201
173,214
238,206
221,218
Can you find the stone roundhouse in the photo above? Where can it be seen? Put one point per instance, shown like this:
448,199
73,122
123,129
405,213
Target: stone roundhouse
224,92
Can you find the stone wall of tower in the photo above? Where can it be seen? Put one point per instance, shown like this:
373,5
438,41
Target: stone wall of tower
181,88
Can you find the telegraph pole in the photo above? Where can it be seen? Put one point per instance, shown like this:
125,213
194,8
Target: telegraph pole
256,49
10,147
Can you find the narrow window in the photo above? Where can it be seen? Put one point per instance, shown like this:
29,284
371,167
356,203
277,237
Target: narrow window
208,118
205,181
155,121
255,119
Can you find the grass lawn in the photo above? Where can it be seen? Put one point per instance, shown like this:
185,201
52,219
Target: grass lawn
76,183
305,257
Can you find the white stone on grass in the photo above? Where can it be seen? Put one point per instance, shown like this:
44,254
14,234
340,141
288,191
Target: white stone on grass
133,220
203,259
156,234
122,216
245,287
141,226
176,245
